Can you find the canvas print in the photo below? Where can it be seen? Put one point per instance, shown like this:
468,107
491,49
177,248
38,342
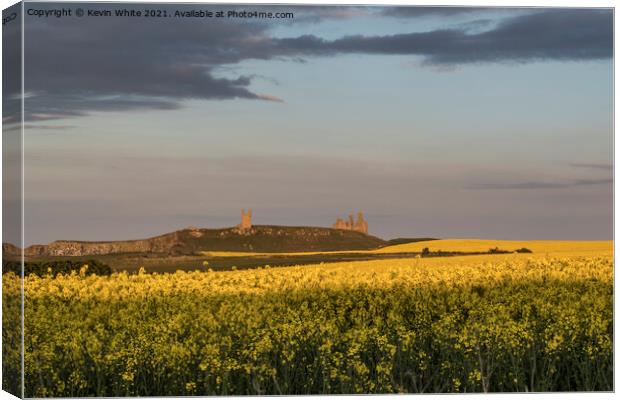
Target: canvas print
232,199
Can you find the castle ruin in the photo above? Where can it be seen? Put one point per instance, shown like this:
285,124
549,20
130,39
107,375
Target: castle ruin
246,220
361,225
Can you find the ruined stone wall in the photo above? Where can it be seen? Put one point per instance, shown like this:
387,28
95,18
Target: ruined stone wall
361,225
246,220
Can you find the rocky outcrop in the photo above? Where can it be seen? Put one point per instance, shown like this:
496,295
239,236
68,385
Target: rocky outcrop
9,249
160,244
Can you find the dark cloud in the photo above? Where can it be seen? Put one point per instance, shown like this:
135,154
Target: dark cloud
539,185
11,68
12,118
135,63
413,11
11,53
115,64
313,14
566,35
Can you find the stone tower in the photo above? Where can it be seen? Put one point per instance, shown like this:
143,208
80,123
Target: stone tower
246,220
361,225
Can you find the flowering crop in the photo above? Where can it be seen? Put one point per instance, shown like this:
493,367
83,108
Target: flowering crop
459,324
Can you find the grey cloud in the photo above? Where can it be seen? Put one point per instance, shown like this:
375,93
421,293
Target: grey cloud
539,185
476,25
11,67
568,35
50,107
412,12
522,185
585,182
49,127
50,115
593,166
134,64
11,56
12,119
313,14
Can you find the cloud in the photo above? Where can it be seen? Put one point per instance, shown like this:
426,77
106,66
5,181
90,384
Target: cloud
11,68
565,35
414,11
78,66
116,64
608,167
314,14
539,185
586,182
270,98
49,127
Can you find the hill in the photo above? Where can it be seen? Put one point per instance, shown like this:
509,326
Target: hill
260,238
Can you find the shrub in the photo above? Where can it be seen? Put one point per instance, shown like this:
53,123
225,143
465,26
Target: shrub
497,250
42,268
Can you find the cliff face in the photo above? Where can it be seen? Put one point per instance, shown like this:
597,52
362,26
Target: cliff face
159,244
264,238
10,250
72,248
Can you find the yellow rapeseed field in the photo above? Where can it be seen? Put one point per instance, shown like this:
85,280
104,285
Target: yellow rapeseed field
546,247
517,322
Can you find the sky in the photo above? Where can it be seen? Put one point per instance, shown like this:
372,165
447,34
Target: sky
435,122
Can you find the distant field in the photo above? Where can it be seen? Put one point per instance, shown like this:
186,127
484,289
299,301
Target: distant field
548,247
226,260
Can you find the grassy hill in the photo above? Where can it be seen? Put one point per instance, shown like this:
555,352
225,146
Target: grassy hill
274,239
